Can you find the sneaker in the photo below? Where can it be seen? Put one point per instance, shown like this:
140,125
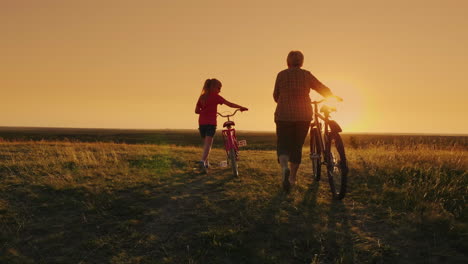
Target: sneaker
286,183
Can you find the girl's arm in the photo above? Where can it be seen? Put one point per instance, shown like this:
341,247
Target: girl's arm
233,105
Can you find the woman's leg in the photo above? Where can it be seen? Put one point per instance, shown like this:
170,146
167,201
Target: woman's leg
282,150
283,161
294,168
300,133
283,134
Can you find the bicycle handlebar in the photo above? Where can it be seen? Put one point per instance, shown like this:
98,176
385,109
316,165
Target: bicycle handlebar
317,102
339,99
230,114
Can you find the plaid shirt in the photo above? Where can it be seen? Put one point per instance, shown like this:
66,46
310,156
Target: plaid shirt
291,94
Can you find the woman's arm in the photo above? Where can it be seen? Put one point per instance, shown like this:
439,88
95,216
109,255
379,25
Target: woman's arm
276,92
326,92
319,87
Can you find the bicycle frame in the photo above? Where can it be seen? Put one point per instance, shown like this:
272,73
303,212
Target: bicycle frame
317,124
230,140
327,143
329,126
230,143
229,135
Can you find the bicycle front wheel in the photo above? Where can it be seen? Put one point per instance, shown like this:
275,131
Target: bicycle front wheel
337,167
315,151
233,160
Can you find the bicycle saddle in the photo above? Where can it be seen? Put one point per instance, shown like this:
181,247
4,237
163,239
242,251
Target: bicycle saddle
229,123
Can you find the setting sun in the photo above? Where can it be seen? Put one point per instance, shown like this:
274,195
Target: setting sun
350,114
143,65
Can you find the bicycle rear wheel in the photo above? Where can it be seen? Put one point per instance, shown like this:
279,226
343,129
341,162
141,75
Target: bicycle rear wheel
337,167
315,151
233,160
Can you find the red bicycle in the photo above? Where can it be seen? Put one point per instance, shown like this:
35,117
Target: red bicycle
230,142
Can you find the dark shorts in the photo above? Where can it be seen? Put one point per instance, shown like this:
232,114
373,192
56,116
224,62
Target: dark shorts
207,130
290,139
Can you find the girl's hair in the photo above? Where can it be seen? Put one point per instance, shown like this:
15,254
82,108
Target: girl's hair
210,86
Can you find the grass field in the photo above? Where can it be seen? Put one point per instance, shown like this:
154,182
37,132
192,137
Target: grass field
115,196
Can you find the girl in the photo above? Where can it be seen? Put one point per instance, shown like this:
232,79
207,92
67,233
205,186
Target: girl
207,108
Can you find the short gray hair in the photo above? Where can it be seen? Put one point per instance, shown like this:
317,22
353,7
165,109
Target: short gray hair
295,58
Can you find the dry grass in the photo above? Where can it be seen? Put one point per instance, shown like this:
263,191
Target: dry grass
64,202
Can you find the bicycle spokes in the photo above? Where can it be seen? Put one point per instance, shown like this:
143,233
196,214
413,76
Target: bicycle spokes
336,166
334,159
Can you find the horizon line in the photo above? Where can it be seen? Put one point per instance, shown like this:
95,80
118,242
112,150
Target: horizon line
244,130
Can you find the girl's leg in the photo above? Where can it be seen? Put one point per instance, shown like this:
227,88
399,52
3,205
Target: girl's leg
208,142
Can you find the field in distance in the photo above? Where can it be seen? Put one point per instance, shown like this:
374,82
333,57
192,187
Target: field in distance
135,196
187,137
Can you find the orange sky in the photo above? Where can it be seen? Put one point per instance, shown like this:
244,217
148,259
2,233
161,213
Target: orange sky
399,65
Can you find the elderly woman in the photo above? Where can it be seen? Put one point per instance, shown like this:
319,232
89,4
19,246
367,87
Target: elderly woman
293,113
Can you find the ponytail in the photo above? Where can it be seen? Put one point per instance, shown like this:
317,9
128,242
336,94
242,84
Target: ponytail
208,87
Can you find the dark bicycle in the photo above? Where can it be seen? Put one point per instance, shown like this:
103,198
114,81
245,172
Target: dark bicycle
326,148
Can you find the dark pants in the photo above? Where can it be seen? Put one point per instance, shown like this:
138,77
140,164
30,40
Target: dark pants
290,139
